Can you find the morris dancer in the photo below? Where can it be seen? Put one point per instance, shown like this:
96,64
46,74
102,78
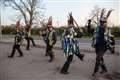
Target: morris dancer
71,45
18,41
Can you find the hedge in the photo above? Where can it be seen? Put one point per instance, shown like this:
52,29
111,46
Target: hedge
35,31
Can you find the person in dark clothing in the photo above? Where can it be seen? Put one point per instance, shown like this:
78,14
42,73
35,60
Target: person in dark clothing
44,35
50,39
89,26
18,41
28,37
100,48
71,46
100,44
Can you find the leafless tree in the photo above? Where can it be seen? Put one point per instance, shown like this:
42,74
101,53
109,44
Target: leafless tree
29,9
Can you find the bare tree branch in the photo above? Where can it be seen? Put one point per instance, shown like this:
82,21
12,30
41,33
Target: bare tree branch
28,8
22,11
25,5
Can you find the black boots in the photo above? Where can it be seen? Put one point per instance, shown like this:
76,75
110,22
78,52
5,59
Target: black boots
97,65
81,57
52,57
65,67
104,70
16,47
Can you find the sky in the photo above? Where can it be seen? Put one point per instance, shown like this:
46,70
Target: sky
59,9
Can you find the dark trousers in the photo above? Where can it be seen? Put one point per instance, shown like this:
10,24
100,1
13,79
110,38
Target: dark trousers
49,51
16,47
28,42
111,49
68,61
100,50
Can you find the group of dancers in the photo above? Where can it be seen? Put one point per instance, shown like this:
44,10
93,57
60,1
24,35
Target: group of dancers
70,43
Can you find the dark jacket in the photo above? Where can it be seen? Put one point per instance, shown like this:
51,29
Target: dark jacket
18,38
100,39
51,37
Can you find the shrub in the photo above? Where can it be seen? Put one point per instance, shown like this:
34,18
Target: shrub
116,31
8,30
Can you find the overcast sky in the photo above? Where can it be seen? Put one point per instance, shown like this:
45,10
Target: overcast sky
59,9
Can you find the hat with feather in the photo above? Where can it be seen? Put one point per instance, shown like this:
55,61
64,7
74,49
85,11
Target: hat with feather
103,17
70,19
18,25
49,24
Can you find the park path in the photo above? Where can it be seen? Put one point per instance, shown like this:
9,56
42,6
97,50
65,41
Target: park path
35,66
